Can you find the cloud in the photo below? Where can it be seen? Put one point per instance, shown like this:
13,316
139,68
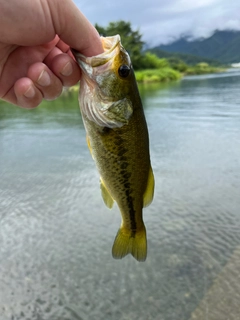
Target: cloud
162,21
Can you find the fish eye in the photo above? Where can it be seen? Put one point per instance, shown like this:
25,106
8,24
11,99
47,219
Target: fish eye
124,71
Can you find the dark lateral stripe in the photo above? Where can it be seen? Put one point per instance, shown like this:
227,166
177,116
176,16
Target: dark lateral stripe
126,175
132,213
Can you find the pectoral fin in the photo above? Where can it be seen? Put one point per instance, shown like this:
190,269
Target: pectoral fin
108,200
148,194
89,145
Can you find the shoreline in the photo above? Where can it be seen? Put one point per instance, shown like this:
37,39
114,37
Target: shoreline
168,74
163,75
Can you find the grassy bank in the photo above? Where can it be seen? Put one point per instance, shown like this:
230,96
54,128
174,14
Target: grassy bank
165,70
203,68
157,75
167,74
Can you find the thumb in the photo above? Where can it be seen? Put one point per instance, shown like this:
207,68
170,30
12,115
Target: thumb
73,27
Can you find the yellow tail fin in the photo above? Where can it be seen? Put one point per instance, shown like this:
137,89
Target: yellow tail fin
128,242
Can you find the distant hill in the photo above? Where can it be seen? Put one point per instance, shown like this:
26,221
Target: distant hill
189,59
223,46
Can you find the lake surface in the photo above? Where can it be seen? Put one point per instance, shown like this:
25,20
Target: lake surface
56,233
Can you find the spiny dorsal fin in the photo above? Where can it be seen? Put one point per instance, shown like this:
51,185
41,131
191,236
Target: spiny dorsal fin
108,200
149,192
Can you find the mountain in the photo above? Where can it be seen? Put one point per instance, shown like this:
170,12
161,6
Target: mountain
223,46
189,59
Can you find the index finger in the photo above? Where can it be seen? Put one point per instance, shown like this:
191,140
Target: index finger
74,28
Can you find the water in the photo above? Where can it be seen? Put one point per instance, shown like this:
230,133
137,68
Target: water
56,233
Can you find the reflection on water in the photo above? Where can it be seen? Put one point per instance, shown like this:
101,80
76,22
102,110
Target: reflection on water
56,234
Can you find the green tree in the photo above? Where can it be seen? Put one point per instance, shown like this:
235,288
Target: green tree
131,40
177,64
151,61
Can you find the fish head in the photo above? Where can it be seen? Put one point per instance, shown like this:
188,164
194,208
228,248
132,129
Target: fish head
107,84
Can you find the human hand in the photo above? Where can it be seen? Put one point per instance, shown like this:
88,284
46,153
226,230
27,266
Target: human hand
35,57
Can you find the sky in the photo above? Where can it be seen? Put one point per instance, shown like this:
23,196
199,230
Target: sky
163,21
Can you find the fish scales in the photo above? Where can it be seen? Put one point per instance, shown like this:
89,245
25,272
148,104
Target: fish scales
117,137
119,166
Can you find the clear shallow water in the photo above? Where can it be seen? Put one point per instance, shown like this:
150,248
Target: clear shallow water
56,234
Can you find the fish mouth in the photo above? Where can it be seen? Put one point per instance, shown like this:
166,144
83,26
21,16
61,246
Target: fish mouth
111,46
91,67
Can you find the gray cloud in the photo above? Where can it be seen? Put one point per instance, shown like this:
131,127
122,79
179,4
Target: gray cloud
162,21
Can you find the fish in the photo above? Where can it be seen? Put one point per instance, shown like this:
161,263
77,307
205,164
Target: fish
118,140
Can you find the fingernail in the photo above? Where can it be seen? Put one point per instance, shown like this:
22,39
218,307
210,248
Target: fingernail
30,93
67,70
44,79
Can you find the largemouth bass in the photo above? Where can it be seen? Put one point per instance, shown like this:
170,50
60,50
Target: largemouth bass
117,137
